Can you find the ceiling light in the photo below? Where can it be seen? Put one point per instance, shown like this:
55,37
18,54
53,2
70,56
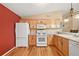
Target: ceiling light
73,13
66,20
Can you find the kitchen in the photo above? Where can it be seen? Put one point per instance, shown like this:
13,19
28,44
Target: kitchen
51,33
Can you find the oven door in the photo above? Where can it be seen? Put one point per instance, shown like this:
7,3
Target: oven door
42,40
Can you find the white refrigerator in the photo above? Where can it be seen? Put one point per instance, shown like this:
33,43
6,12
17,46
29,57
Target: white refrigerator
22,32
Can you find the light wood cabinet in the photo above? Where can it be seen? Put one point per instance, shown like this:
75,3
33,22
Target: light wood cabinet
50,40
32,40
62,44
55,43
65,46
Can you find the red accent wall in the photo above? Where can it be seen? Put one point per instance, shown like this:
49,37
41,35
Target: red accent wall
7,26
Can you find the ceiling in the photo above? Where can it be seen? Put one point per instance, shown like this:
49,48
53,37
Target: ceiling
29,9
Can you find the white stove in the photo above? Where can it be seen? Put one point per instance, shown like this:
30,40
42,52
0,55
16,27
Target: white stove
41,37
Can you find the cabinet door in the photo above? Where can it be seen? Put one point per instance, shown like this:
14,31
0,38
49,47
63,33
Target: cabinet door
32,39
55,41
66,47
60,43
50,40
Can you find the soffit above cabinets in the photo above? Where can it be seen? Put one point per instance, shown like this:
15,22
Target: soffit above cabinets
29,9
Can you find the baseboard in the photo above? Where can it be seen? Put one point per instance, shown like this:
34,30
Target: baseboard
8,51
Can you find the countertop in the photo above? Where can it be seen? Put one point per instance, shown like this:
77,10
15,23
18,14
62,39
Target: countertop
70,37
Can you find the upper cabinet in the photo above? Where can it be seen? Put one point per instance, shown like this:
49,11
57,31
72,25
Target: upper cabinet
50,19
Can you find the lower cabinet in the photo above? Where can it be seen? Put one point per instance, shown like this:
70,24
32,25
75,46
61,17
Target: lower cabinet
49,40
65,47
55,41
32,40
62,44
